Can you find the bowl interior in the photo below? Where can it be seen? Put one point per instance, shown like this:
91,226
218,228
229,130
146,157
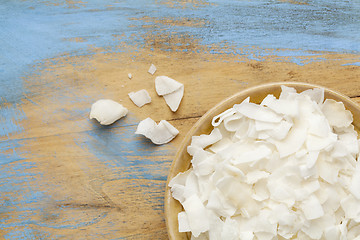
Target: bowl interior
203,126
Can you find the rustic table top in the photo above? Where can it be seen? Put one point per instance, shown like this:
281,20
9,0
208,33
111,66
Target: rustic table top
63,176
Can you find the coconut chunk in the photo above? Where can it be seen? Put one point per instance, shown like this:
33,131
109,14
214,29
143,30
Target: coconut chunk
255,176
152,69
316,227
171,90
253,155
318,125
315,143
355,182
165,85
286,92
197,215
160,133
351,207
140,98
316,94
173,99
332,233
183,222
312,208
282,106
220,145
219,118
219,205
246,235
336,113
230,230
107,111
294,139
257,112
204,140
354,232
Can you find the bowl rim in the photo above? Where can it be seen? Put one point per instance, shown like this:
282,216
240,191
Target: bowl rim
267,88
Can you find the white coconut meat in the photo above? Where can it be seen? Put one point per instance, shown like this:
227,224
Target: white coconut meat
152,69
160,133
107,111
171,90
173,100
140,98
283,169
336,113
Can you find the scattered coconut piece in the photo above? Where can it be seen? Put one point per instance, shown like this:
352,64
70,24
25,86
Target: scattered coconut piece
140,98
171,90
160,133
152,69
173,99
129,75
287,168
165,85
107,111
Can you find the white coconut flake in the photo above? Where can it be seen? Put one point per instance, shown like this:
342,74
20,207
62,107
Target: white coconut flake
282,106
183,222
165,85
255,176
140,98
355,182
171,90
336,113
332,233
219,118
312,208
283,169
197,215
152,69
173,99
204,140
160,133
107,111
316,94
294,140
256,112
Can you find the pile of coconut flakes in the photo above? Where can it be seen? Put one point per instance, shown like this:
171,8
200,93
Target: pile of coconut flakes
283,169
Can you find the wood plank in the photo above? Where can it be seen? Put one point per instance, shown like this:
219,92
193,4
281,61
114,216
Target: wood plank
64,176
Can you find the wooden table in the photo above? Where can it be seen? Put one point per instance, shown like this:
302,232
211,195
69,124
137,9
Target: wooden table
63,176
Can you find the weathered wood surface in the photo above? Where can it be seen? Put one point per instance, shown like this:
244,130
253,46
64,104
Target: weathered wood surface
63,176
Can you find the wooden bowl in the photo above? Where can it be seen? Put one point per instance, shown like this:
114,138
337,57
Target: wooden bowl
203,126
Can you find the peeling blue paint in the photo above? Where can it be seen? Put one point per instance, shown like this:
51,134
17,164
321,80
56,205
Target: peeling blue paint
118,148
39,30
352,64
18,192
10,116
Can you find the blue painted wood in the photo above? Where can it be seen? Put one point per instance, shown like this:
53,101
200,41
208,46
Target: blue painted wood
34,33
